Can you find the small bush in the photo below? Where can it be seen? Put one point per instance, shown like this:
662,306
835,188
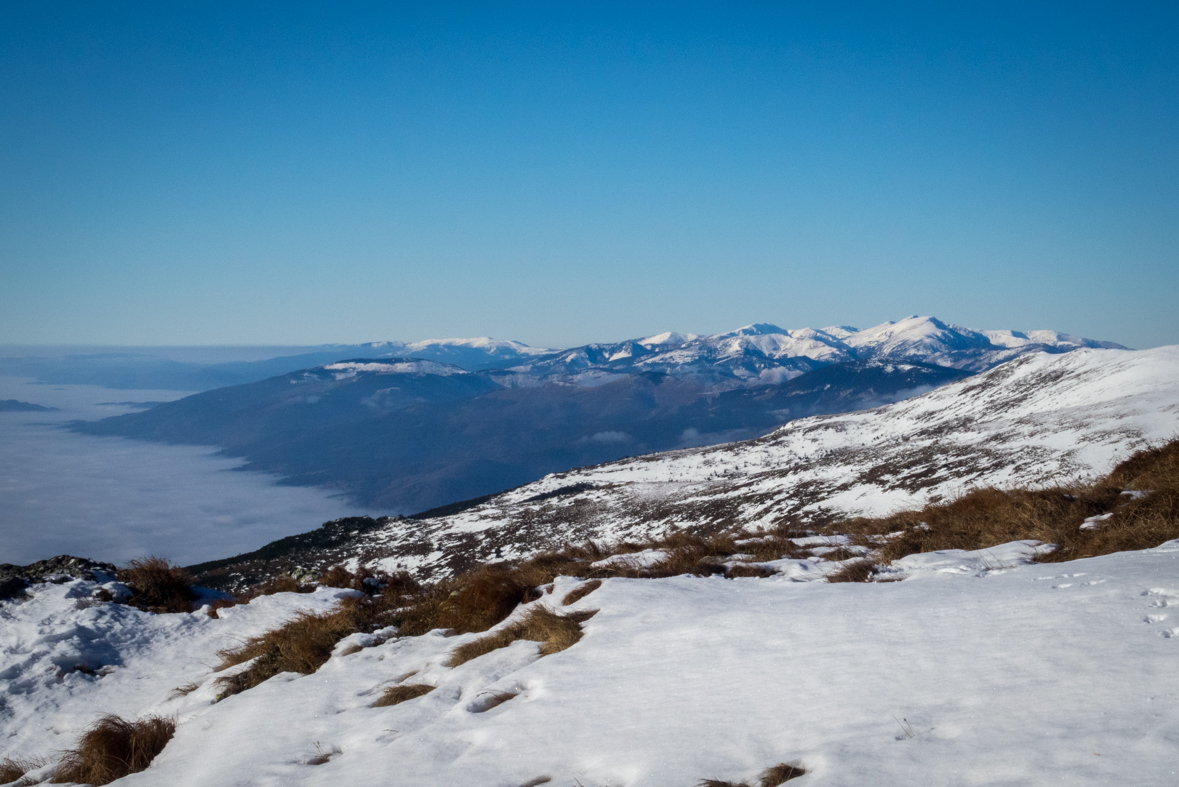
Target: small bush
555,633
581,591
158,586
113,748
395,695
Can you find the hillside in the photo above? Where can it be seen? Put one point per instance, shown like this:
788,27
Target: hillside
1039,420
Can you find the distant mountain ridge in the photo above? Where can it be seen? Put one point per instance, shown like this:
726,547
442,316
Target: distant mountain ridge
754,355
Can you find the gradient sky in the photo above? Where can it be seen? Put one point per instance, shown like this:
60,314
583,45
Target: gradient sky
296,175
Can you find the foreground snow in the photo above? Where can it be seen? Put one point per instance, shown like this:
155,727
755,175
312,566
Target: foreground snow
977,668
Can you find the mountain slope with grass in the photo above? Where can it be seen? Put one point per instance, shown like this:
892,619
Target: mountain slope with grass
1041,420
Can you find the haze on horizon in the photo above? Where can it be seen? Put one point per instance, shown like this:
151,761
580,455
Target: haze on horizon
294,176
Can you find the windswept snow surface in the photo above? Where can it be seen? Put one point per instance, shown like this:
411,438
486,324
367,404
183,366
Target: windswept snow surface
976,668
1039,420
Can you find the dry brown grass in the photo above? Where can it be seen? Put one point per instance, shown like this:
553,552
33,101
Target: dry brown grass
301,645
113,748
158,586
13,770
581,591
770,777
858,571
554,632
395,695
745,570
988,517
779,774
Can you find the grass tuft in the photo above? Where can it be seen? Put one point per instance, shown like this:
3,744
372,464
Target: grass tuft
744,570
770,777
12,770
858,571
301,645
395,695
113,748
581,591
553,631
158,586
780,774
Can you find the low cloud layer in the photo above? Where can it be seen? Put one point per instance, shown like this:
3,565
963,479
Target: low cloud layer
115,499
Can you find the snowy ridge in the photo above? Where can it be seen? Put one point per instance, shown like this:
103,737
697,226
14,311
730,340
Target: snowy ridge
762,353
1039,420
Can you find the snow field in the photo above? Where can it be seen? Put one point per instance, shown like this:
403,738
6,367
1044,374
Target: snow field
977,668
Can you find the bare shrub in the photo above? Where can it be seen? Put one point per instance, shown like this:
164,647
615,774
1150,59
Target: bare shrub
859,571
581,591
395,695
555,633
158,586
113,748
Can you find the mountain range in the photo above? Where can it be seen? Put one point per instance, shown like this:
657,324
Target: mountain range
1036,421
406,434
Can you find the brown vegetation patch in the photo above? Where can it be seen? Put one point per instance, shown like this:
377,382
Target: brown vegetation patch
581,591
839,554
554,632
158,586
858,571
747,570
113,748
395,695
302,645
988,517
11,770
770,777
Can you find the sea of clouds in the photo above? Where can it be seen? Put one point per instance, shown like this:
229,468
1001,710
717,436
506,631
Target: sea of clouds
115,499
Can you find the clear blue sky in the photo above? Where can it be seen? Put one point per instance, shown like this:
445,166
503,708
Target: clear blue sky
300,174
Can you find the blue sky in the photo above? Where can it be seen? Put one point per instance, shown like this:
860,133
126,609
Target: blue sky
290,174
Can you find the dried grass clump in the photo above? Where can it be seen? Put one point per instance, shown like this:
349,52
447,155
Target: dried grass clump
301,645
745,570
857,571
771,547
581,591
770,777
158,586
113,748
555,633
11,770
780,774
395,695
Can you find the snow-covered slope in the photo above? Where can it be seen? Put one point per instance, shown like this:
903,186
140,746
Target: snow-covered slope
977,668
1041,419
